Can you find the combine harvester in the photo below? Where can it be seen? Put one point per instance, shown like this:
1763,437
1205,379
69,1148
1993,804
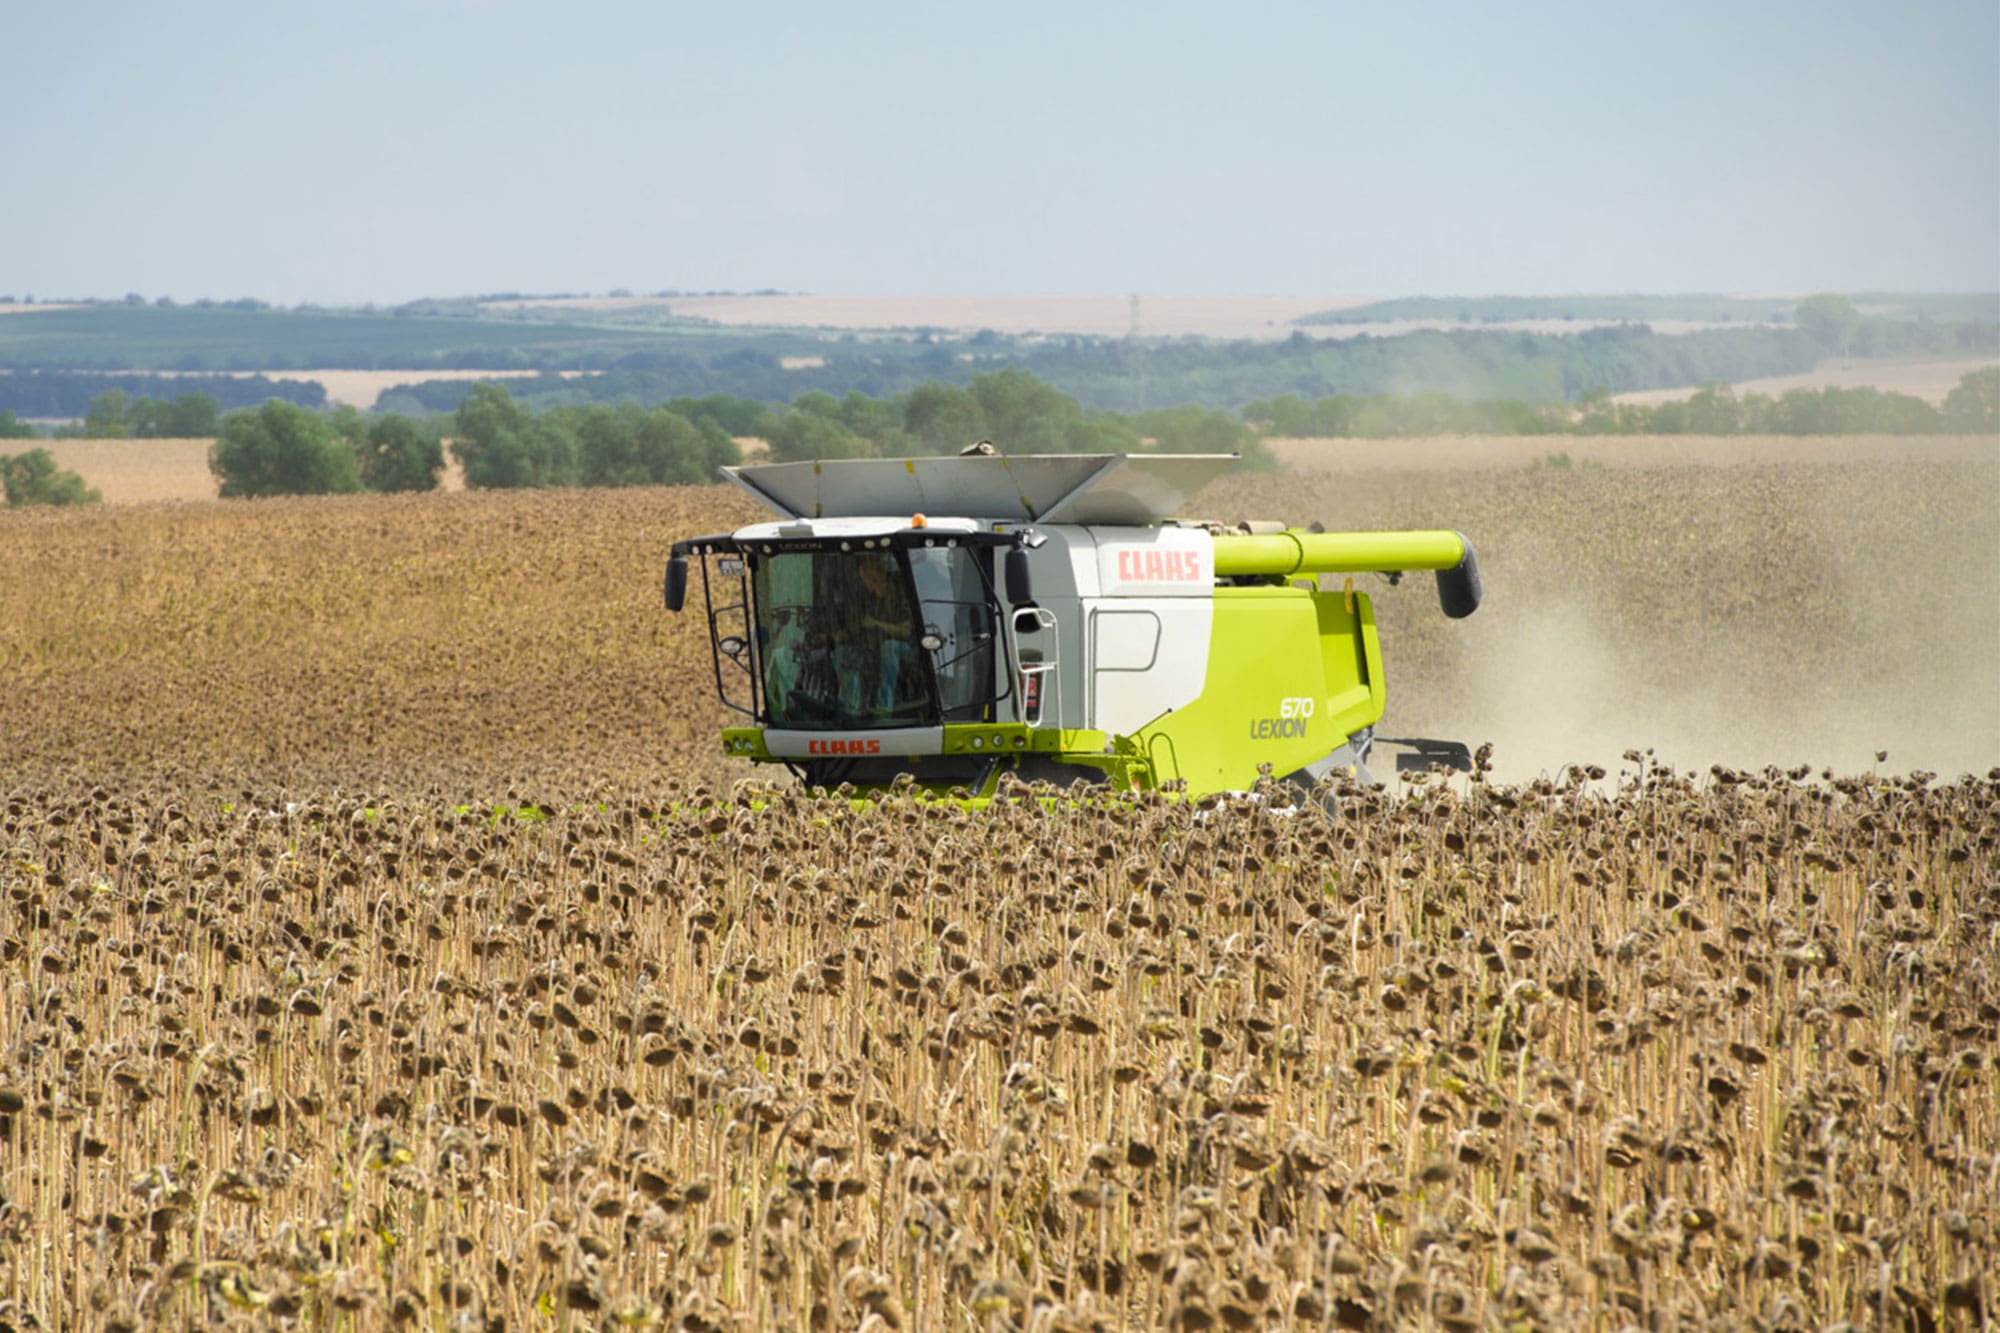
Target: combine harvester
958,619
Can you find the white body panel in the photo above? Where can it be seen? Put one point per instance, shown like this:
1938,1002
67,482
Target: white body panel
1155,562
1148,656
1134,608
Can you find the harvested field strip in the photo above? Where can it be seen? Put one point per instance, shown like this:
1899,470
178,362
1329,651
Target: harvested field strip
354,637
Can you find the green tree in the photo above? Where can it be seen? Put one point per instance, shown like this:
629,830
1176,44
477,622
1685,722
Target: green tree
396,454
604,451
1202,430
33,478
943,418
1829,319
1022,414
500,445
870,418
1973,407
1713,410
281,449
801,435
629,446
106,416
191,416
818,404
736,416
12,428
1100,433
1285,415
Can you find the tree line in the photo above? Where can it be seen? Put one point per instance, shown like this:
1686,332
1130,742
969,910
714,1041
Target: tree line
75,394
499,442
1973,407
280,448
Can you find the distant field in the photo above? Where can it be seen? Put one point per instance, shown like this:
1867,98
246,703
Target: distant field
1263,318
1927,379
361,388
156,471
138,471
1103,315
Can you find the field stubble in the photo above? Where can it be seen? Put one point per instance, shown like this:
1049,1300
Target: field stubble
382,942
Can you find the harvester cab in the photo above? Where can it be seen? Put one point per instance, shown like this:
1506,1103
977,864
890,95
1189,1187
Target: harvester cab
950,620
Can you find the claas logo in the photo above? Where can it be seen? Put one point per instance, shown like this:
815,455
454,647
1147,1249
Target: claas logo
1156,566
867,745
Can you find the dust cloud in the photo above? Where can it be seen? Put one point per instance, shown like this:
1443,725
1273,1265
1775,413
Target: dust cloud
1749,614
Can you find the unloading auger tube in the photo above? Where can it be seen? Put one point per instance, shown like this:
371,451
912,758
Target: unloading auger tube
1277,554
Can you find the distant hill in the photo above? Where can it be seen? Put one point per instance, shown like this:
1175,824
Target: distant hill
1638,308
117,336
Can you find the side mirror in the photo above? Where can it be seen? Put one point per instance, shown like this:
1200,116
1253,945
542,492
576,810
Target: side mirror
677,582
732,645
1020,588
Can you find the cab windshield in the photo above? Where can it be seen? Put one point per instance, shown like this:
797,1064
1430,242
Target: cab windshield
857,640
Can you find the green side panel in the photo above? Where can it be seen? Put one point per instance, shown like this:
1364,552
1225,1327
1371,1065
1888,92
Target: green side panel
1357,690
1292,674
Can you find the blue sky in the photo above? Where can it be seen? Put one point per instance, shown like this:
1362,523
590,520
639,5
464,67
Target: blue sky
379,151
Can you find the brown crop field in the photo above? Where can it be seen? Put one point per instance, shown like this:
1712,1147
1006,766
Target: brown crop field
385,942
150,471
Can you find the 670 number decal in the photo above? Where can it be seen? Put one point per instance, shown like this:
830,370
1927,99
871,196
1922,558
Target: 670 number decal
1293,714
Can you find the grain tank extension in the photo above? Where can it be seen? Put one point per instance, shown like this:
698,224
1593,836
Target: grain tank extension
956,619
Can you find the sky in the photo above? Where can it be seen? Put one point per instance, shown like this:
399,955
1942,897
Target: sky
378,152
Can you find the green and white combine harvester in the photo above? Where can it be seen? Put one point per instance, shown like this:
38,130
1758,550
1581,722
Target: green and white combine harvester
958,619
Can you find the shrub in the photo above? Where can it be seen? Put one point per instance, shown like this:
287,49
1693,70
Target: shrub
1973,408
500,446
802,434
33,478
281,449
628,446
395,454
